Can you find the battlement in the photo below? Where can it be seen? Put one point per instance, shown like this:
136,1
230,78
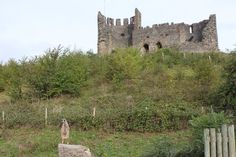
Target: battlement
118,22
128,32
108,21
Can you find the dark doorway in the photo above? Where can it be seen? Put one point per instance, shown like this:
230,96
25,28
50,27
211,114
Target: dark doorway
159,45
146,47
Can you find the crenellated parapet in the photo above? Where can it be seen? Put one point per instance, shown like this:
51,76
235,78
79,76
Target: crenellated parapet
115,33
107,21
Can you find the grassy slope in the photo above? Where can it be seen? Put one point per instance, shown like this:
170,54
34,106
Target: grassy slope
43,142
166,84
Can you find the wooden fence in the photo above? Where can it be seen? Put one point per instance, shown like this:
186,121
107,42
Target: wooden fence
219,142
45,116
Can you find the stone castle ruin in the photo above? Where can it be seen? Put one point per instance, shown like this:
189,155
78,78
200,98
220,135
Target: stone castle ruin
197,37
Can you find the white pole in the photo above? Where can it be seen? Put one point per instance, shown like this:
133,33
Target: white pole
46,116
94,111
3,117
210,58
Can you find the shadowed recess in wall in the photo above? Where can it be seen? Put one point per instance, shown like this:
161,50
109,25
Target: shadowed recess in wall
159,45
146,47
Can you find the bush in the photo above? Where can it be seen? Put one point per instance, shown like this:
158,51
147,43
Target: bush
224,98
167,147
13,79
40,74
71,73
123,64
57,72
206,76
163,147
198,124
1,78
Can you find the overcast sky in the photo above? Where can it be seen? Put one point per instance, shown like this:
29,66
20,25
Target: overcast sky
29,27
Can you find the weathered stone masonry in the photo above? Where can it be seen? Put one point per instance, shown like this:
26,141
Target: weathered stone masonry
197,37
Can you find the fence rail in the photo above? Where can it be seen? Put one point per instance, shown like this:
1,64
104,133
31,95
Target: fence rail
219,142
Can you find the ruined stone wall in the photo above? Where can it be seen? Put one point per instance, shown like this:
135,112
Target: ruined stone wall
159,36
197,37
203,38
114,35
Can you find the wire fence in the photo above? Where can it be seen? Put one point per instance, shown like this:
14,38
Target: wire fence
124,119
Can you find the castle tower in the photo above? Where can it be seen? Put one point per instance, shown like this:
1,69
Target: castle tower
210,33
112,35
102,40
137,19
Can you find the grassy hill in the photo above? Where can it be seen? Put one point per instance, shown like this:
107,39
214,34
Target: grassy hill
137,97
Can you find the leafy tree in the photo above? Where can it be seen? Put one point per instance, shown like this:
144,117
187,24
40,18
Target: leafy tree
123,64
13,78
206,78
57,72
71,73
41,72
225,96
1,78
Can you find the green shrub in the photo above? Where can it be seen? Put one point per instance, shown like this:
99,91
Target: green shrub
13,79
224,98
206,77
71,73
170,147
55,73
1,78
163,147
167,147
123,64
198,124
41,74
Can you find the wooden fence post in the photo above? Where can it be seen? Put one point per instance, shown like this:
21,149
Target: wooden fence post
209,58
231,141
94,112
225,140
184,55
46,116
219,144
213,142
206,143
3,118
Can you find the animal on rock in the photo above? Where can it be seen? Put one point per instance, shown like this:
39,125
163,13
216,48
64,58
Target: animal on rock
65,131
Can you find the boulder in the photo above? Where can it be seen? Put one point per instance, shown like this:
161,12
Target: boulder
66,150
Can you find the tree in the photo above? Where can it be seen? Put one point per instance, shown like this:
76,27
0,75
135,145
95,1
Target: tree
13,79
1,78
225,97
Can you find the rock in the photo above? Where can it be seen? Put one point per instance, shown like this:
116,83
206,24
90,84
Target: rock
66,150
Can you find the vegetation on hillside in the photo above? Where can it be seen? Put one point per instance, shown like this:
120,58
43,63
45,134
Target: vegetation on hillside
154,92
64,72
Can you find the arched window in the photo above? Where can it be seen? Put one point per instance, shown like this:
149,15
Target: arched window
159,45
191,29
